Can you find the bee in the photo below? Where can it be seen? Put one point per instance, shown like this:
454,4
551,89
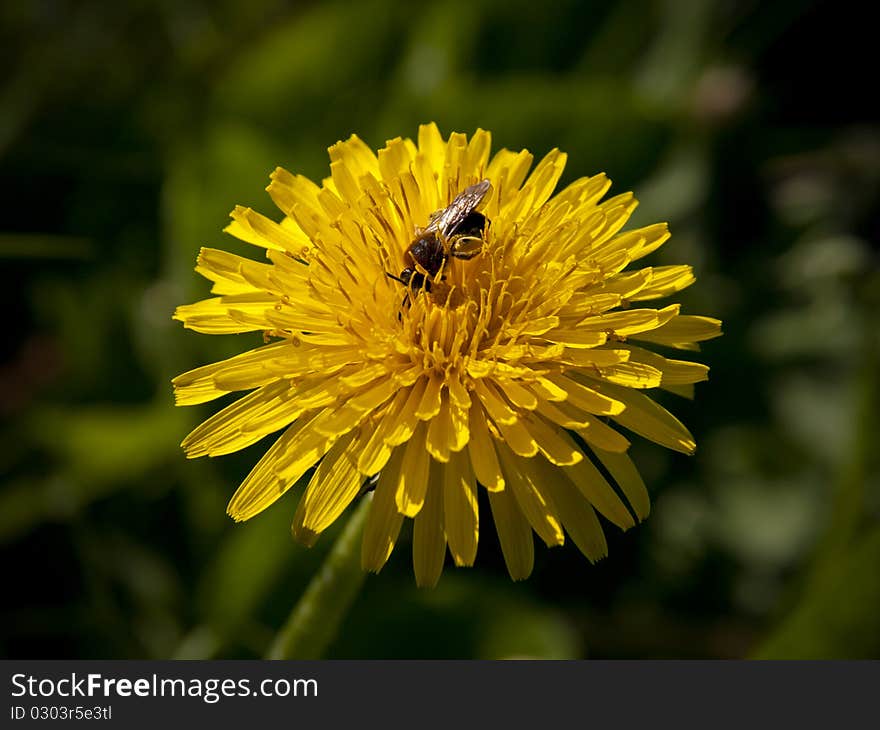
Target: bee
455,231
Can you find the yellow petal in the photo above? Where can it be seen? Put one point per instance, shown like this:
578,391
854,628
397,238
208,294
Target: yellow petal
514,533
482,451
447,431
598,433
394,159
426,177
289,191
683,330
588,427
375,452
577,515
595,357
568,418
315,440
233,274
357,154
334,484
413,201
517,394
276,472
346,183
583,194
429,539
533,500
631,374
457,392
673,372
593,486
429,406
518,438
581,337
510,168
554,443
252,227
665,280
255,367
494,404
412,481
373,396
587,303
432,146
627,476
384,521
243,422
539,187
546,390
406,420
229,314
460,514
638,242
651,420
625,284
587,399
453,179
477,154
631,321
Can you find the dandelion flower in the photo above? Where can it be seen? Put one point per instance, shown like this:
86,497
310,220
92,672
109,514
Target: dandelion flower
520,370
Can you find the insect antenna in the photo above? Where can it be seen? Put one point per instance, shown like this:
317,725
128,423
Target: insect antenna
406,296
396,278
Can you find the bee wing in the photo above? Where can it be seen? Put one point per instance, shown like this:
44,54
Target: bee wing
465,202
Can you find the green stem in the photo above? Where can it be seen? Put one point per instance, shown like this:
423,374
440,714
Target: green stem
315,619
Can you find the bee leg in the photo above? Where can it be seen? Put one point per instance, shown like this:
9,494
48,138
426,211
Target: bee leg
466,247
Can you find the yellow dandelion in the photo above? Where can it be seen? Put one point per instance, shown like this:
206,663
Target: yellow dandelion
511,360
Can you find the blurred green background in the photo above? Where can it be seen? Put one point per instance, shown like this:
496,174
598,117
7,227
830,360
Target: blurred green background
128,131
